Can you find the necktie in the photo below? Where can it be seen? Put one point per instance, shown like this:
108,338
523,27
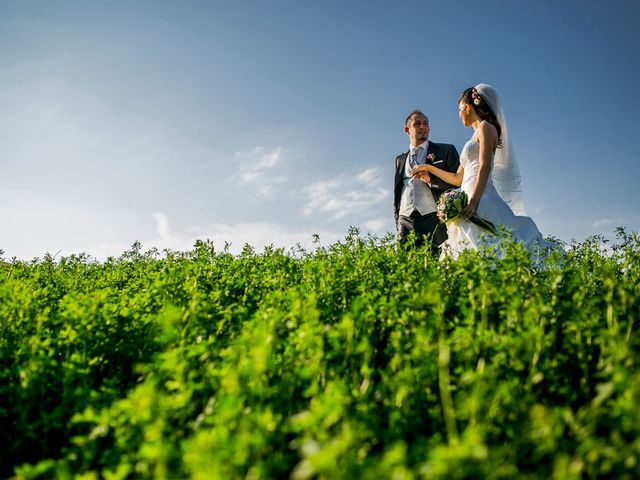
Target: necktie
413,158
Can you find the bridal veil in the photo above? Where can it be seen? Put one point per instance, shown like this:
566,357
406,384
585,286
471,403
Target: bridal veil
505,173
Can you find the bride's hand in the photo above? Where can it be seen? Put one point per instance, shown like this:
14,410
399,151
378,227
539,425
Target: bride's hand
421,172
421,169
471,209
425,177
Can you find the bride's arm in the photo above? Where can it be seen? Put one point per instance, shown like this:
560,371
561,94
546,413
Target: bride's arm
488,140
452,178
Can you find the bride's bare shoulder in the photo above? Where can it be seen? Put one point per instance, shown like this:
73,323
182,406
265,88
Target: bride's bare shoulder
487,131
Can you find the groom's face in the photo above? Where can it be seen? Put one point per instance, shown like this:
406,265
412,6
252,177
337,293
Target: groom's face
417,129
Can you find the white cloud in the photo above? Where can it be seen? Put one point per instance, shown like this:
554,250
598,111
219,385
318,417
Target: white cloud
162,224
345,194
256,234
375,226
255,169
370,176
602,222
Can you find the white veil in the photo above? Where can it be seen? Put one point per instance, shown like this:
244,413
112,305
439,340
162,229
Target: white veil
505,174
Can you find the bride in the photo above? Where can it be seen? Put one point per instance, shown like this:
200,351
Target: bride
489,175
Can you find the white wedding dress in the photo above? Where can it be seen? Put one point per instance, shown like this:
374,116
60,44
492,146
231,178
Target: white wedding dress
465,235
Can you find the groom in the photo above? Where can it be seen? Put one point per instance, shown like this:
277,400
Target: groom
414,200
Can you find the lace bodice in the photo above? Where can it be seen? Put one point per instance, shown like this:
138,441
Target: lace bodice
471,153
470,161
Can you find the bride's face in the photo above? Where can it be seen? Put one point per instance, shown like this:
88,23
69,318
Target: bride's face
464,112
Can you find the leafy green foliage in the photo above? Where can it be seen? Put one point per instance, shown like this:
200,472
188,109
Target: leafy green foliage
357,360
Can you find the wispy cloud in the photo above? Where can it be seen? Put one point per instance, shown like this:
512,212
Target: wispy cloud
345,194
602,222
256,234
163,230
376,225
607,225
255,168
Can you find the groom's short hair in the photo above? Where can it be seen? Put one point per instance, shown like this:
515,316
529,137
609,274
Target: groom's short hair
415,112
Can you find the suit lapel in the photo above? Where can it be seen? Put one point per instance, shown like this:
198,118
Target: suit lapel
402,162
435,151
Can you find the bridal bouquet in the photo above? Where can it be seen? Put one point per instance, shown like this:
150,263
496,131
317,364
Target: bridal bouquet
450,207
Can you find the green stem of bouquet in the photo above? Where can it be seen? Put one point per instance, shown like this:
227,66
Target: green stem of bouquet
480,222
485,224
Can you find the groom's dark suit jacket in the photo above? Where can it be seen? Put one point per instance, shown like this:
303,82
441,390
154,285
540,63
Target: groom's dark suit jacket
445,157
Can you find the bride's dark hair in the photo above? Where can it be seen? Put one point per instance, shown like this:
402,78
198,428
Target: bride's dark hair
471,97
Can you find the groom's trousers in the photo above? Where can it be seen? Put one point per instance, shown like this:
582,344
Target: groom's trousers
427,228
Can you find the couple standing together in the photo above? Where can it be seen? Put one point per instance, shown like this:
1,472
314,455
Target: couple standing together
486,171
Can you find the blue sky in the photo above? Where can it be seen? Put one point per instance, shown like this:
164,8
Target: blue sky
266,122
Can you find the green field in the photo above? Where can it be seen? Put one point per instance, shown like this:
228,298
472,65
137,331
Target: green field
355,360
